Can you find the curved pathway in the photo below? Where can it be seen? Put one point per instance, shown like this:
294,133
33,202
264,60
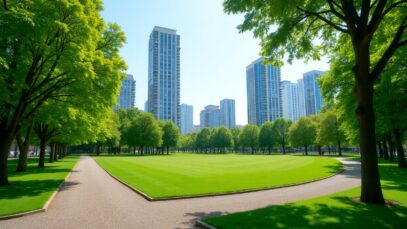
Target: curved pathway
93,199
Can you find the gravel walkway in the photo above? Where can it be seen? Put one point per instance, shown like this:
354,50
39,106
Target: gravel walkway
93,199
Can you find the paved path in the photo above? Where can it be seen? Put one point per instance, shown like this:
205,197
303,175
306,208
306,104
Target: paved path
93,199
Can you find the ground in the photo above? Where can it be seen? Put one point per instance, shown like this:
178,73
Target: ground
192,174
31,190
331,211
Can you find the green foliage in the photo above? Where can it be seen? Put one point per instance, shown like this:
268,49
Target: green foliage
203,139
144,131
249,136
302,132
329,131
221,138
170,133
266,138
280,131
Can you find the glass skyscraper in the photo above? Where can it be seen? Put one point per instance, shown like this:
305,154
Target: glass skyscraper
187,119
312,94
227,106
290,99
164,74
211,116
127,95
263,92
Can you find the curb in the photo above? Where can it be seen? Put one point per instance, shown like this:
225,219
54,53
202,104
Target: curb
204,225
46,205
147,197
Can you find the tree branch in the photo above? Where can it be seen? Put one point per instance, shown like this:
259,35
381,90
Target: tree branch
5,5
318,15
376,17
389,51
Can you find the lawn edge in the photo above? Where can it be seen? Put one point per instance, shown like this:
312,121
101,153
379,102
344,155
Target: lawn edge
201,224
46,205
149,198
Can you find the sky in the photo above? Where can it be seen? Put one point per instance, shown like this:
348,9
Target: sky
214,55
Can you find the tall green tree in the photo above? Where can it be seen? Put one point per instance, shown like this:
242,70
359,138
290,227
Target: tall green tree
280,132
249,137
266,136
221,138
329,131
298,24
203,139
45,47
170,134
145,131
235,131
302,133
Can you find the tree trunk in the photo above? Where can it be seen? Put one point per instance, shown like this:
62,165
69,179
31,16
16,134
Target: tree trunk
339,148
400,151
385,151
391,147
306,150
379,144
23,147
319,150
371,191
41,161
51,154
283,148
5,144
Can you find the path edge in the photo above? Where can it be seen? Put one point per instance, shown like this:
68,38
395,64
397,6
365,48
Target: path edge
149,198
46,205
201,224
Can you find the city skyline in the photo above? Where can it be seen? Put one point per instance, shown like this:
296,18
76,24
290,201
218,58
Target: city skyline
204,65
127,95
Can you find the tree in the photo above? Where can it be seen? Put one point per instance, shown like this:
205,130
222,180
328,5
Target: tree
46,47
334,22
203,139
302,133
249,137
145,131
170,134
280,132
235,136
329,131
266,136
221,138
126,117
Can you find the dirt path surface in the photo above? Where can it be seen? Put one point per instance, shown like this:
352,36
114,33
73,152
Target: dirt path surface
93,199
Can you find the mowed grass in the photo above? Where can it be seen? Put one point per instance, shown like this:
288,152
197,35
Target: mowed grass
31,190
331,211
197,174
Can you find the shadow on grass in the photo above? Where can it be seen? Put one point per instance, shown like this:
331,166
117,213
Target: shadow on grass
193,217
346,214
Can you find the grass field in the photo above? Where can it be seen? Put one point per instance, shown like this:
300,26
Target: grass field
31,190
192,174
332,211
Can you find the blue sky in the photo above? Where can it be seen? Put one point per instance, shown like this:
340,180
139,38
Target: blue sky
214,55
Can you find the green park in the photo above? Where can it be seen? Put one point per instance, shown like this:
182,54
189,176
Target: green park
76,150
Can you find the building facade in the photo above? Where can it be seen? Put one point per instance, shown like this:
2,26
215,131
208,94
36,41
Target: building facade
164,74
211,116
312,94
187,119
227,106
290,101
127,97
263,92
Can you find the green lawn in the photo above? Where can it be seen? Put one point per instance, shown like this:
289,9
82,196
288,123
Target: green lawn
198,174
332,211
32,189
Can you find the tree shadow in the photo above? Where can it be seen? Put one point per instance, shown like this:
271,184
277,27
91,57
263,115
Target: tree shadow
344,214
18,189
193,217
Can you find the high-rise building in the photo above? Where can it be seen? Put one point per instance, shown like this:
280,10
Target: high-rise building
187,119
164,74
312,94
263,92
301,95
127,95
290,100
227,106
146,106
211,116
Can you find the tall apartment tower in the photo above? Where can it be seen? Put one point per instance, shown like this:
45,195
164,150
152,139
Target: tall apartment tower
290,99
127,97
211,116
263,92
227,106
164,74
187,119
312,94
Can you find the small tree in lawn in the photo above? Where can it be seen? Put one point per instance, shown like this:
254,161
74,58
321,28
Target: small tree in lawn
280,132
302,133
144,132
249,137
221,138
266,139
329,131
203,139
170,134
